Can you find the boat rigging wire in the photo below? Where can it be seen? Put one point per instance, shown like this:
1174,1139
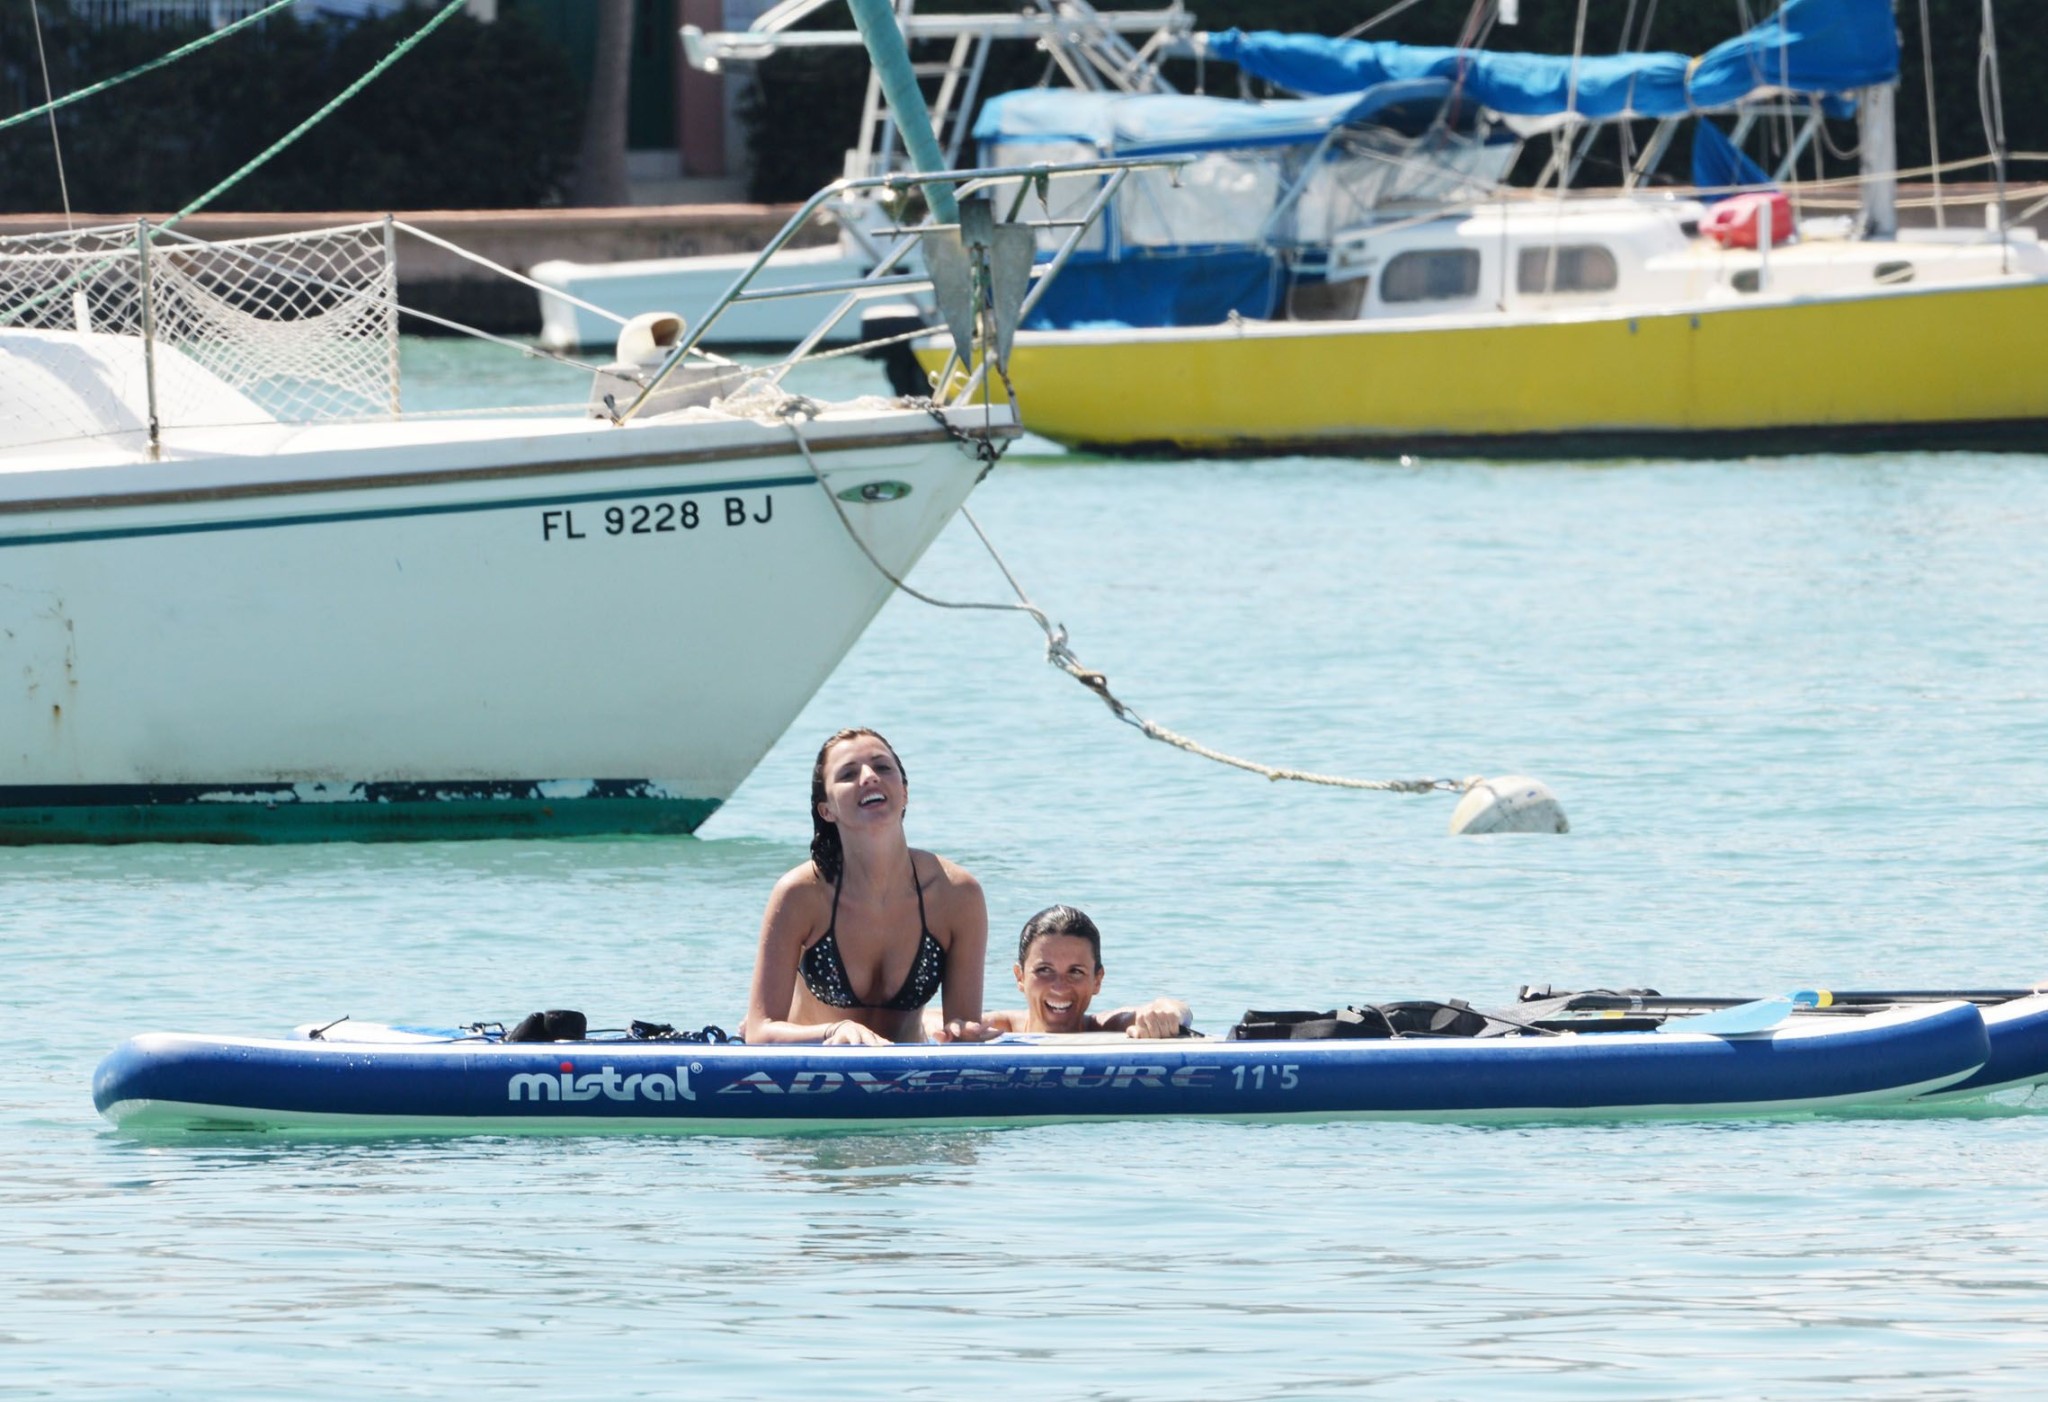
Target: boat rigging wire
1842,153
52,104
1625,131
1567,165
1933,132
400,50
35,10
1991,106
499,268
1057,650
1384,15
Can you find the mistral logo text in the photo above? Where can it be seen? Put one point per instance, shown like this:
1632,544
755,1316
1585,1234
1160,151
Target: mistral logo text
606,1083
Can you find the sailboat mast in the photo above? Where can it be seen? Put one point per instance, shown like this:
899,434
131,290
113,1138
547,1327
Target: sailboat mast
886,49
1877,132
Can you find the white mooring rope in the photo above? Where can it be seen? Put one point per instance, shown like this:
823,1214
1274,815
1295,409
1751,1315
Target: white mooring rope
1061,655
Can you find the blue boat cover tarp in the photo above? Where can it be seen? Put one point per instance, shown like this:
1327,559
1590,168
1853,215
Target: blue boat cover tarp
1166,123
1169,288
1826,47
1719,169
1182,283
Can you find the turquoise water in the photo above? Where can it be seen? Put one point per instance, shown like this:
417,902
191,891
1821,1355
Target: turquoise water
1797,710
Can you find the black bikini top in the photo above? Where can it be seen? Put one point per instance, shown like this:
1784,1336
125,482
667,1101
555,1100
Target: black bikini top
824,968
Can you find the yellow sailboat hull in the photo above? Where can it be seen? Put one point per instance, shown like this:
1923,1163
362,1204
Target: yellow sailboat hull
1953,363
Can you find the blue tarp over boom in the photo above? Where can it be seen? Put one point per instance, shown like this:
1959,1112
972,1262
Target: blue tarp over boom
1719,168
1174,285
1824,47
1151,124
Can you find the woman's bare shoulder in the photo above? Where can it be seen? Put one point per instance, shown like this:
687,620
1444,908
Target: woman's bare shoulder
936,873
800,891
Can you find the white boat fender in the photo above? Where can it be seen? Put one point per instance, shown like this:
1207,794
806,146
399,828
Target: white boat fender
644,343
1512,803
647,339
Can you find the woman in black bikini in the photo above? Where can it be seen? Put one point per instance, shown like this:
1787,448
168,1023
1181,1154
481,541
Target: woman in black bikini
857,940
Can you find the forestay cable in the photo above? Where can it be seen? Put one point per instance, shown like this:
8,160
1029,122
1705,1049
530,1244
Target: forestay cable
56,145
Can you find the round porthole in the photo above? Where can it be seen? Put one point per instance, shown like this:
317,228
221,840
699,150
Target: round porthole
876,491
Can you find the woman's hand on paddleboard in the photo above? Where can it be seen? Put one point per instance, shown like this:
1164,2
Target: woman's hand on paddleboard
965,1030
848,1033
1162,1017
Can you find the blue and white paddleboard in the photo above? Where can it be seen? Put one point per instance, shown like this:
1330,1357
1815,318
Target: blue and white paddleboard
2018,1033
367,1078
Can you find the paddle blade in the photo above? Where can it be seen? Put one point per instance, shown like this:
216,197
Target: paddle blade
1760,1016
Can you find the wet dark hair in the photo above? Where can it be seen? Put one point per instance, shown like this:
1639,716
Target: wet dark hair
1060,920
826,854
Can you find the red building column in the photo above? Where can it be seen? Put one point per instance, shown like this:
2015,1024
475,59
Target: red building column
700,97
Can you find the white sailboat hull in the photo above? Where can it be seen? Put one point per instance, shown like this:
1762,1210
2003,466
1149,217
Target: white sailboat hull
396,629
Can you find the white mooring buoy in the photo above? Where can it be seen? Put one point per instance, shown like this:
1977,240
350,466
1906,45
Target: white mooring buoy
1512,803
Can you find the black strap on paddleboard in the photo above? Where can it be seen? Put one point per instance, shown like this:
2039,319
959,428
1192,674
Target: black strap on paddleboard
666,1032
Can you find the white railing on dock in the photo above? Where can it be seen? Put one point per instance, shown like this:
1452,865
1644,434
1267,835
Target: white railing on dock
215,14
157,14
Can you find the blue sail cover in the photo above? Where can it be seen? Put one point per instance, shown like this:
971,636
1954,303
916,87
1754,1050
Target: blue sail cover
1719,169
1173,285
1152,124
1810,46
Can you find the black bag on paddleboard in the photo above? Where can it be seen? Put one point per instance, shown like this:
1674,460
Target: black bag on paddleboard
1294,1025
554,1025
1420,1018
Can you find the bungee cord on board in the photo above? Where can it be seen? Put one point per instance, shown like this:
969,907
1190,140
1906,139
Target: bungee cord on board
1503,805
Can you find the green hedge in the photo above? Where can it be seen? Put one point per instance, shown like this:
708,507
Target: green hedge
478,116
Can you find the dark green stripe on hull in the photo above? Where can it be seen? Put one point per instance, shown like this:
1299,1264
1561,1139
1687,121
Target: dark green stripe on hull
423,820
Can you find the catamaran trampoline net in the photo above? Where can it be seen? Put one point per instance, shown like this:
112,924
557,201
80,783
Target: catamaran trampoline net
296,328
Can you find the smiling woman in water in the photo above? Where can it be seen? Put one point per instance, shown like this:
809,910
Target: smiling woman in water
1059,972
858,939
